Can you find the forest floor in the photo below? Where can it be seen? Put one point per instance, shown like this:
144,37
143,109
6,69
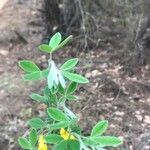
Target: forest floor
111,94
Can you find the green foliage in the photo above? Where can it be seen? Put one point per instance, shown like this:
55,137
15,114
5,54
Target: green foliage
55,40
36,123
56,114
55,43
33,137
45,48
28,66
99,128
63,43
37,97
53,138
59,126
32,76
24,143
31,143
75,77
71,88
67,145
103,141
71,63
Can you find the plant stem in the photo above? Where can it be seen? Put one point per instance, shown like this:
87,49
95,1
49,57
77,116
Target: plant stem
50,56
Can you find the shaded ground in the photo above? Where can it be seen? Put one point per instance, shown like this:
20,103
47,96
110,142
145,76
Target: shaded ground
111,94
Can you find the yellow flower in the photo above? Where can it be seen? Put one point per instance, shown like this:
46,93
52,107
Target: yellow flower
66,135
42,144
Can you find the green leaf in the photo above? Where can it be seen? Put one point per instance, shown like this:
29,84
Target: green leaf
52,78
109,141
62,124
47,91
61,90
61,146
91,142
28,66
56,114
73,145
67,145
33,137
71,97
104,141
75,127
36,123
24,143
99,128
38,75
53,138
69,113
45,48
32,76
37,97
44,73
66,41
55,40
62,80
54,90
62,99
75,77
53,99
69,64
71,88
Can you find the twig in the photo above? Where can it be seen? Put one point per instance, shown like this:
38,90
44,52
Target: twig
83,22
23,39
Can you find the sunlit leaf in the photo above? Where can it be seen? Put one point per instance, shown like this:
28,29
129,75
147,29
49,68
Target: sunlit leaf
56,114
45,48
33,76
75,77
71,88
99,128
53,138
33,137
104,141
37,97
69,64
66,41
24,143
36,123
28,66
61,124
55,40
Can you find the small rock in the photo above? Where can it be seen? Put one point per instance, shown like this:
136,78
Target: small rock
137,112
104,66
95,73
112,126
101,117
115,107
88,75
109,99
139,117
147,119
43,57
119,113
2,3
4,52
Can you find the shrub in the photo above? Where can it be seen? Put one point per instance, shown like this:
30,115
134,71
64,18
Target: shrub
59,129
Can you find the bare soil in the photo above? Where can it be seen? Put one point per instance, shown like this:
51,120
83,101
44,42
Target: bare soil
111,94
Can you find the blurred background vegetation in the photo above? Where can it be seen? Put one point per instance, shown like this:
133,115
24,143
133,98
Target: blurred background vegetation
91,21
